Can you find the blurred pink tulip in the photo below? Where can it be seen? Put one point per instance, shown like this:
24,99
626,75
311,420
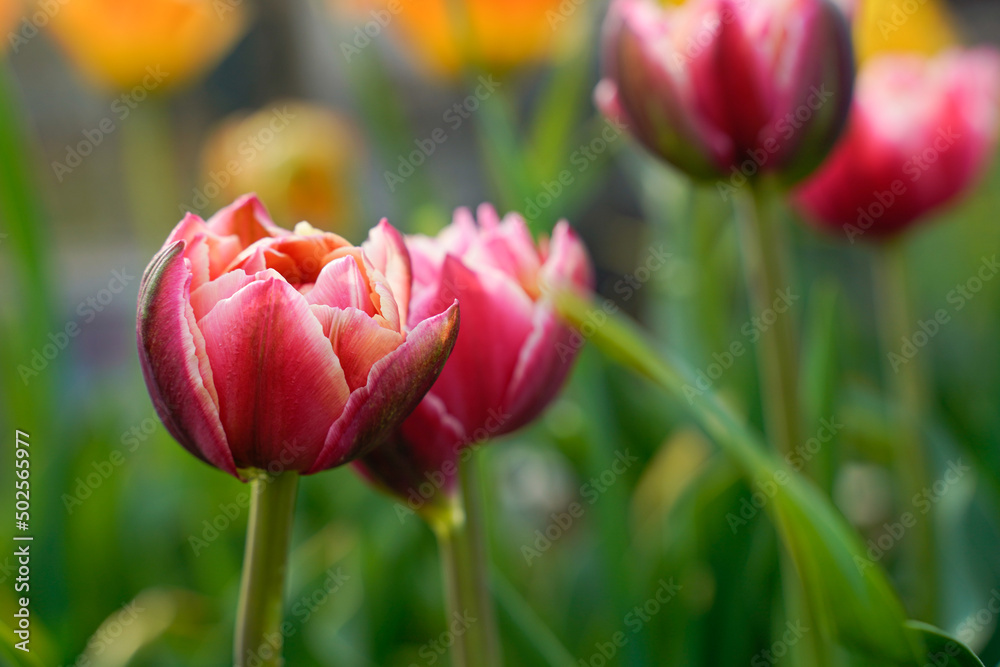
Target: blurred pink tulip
263,348
721,87
512,354
922,130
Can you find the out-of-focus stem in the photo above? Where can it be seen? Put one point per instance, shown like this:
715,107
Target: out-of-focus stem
904,385
765,259
463,557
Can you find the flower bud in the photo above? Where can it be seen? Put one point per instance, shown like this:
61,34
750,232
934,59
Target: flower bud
922,131
277,350
513,352
719,86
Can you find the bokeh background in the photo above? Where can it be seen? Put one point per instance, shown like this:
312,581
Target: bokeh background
138,546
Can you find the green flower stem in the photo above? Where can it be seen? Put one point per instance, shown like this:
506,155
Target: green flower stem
904,385
463,558
258,619
766,264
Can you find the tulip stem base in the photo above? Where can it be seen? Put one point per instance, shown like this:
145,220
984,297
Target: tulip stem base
258,638
904,387
766,262
460,535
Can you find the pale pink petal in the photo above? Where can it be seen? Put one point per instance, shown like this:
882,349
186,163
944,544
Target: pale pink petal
387,252
341,285
358,341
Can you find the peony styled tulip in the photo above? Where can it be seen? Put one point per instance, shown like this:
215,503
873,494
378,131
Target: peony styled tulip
120,44
717,87
512,354
262,346
922,131
450,35
306,173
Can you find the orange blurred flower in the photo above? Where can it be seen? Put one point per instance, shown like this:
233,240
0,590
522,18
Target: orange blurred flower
895,26
10,13
116,43
300,159
492,34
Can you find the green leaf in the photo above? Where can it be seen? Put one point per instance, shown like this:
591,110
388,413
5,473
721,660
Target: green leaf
850,597
942,650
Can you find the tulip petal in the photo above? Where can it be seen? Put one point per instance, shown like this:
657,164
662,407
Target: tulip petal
205,297
172,358
357,339
396,384
341,285
498,319
280,386
247,219
426,447
387,252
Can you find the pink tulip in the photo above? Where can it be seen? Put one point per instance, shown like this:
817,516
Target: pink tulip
922,131
729,87
512,354
263,348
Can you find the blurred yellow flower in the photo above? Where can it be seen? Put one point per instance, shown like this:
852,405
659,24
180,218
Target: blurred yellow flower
891,26
493,34
300,159
117,43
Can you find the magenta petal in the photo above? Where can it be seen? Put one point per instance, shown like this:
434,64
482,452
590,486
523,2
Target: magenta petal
544,361
395,386
170,355
280,386
387,252
425,450
497,314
